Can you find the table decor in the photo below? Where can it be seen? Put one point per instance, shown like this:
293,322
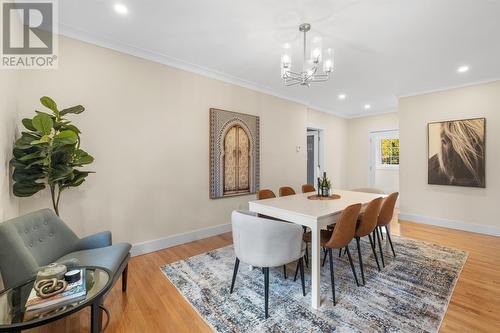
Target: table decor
320,197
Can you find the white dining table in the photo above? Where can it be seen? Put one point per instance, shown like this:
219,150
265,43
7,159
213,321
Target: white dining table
314,214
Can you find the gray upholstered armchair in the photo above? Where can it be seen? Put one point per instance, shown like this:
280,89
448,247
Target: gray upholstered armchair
266,243
40,238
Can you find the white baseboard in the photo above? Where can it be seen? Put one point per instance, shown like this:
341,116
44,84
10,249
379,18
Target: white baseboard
166,242
459,225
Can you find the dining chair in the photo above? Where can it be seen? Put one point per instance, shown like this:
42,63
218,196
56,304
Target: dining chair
367,222
265,194
286,191
384,218
266,243
306,188
339,238
268,194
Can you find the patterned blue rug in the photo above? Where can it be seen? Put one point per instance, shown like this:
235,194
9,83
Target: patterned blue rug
411,294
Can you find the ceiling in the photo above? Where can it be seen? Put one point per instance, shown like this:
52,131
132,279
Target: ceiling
383,48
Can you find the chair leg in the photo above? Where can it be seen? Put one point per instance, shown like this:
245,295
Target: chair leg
124,278
332,276
390,241
284,271
352,266
374,252
340,253
296,272
377,231
235,272
307,257
360,261
301,266
266,291
325,253
381,234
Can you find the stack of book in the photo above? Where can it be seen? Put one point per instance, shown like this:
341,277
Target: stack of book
74,292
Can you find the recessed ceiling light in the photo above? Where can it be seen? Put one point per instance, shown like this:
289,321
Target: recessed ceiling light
463,69
342,96
121,8
367,106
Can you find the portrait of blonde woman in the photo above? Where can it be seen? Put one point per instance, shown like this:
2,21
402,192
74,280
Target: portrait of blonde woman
457,153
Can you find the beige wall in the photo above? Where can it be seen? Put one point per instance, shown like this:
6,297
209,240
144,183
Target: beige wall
334,134
358,150
146,124
8,128
465,208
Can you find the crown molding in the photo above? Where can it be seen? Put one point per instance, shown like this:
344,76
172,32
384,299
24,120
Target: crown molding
457,86
163,59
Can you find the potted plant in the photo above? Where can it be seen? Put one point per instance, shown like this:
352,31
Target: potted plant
48,153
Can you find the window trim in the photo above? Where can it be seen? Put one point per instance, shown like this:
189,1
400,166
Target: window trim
378,157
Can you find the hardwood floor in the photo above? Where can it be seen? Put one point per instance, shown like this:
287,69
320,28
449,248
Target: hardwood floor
152,304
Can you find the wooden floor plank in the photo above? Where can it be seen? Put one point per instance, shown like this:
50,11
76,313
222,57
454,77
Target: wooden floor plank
153,304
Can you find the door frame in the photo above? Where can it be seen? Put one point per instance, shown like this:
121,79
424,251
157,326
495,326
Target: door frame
372,163
319,156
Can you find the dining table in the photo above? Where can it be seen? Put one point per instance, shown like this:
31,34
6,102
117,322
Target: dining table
315,215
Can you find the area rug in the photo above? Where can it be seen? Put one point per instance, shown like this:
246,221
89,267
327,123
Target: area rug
411,294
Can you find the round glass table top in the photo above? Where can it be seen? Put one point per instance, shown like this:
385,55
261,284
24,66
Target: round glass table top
12,301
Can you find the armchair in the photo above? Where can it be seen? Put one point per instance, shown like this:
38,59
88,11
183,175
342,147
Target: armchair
37,239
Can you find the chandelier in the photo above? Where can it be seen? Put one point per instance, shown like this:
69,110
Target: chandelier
311,68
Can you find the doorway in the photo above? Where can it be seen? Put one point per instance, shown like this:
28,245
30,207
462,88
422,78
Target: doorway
384,160
314,154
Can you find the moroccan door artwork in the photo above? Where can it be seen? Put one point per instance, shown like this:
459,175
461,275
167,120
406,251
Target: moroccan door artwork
236,161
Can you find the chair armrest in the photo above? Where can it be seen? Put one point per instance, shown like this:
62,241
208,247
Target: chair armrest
101,239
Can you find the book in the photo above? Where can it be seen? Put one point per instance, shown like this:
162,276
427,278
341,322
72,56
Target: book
74,292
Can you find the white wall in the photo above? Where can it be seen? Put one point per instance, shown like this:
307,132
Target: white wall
146,124
8,128
358,150
334,151
471,209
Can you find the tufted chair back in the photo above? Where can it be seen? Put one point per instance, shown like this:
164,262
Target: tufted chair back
30,241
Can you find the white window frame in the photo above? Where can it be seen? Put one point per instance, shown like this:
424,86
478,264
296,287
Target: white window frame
378,158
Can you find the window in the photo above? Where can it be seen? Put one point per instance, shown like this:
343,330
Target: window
389,152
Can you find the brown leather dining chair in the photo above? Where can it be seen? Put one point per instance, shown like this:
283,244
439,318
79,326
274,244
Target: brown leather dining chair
384,218
367,223
265,194
306,188
339,238
286,191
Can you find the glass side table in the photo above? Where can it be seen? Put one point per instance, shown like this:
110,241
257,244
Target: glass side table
13,317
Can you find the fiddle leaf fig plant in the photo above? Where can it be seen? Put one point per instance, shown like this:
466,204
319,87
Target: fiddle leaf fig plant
48,153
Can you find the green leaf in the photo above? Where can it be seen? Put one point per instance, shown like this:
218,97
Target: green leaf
60,172
43,123
49,103
27,189
67,134
82,157
75,110
72,128
26,176
35,155
28,124
43,139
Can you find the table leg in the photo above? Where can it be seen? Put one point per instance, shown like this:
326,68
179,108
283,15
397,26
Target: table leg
95,316
315,267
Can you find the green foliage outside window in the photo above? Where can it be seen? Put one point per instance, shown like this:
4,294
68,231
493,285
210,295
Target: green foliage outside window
390,151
